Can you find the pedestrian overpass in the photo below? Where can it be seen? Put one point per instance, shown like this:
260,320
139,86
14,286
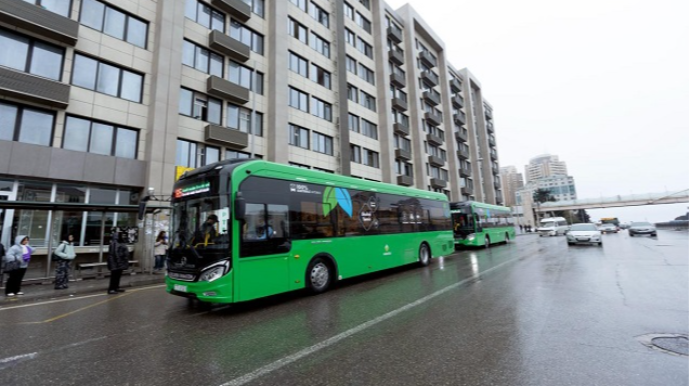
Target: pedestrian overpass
615,201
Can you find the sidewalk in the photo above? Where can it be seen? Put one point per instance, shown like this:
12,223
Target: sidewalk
37,292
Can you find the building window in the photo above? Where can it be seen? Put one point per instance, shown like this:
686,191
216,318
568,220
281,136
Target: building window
365,48
367,101
299,100
353,122
363,22
24,124
319,14
320,45
61,7
355,154
366,74
186,154
233,154
301,4
295,164
246,36
242,76
320,76
321,109
366,3
403,168
240,118
211,155
90,136
352,93
113,22
403,143
350,37
298,64
351,64
349,11
30,55
204,15
324,170
322,143
299,136
369,129
202,59
107,79
370,158
200,106
297,30
258,7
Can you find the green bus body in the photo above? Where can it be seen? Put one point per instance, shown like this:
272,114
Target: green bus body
476,224
351,225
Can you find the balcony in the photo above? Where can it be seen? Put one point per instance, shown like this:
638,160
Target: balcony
495,170
455,85
432,98
461,135
395,35
492,141
405,180
488,113
403,154
399,104
457,101
228,137
224,89
228,46
238,9
438,183
401,129
434,139
433,118
430,78
436,161
398,80
490,127
427,59
396,57
493,155
466,191
463,153
39,21
465,172
33,88
459,118
497,185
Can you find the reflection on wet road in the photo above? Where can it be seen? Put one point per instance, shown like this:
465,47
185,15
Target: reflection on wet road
533,312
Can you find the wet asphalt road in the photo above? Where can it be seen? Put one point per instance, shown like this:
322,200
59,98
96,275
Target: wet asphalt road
533,312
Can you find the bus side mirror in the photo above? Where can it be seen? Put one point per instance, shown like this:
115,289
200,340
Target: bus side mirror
240,206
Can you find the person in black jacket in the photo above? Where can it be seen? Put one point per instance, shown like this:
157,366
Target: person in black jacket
118,261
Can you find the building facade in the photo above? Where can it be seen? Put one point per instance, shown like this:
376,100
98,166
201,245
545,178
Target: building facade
512,183
104,101
545,165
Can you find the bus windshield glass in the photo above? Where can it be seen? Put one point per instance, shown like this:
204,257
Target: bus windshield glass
200,232
462,221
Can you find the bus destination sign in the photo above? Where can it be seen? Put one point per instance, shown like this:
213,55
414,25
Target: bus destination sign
201,187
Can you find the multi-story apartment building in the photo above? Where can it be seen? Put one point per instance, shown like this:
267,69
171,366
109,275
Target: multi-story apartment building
545,165
512,182
103,101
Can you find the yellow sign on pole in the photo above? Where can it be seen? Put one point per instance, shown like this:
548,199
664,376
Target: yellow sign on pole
179,171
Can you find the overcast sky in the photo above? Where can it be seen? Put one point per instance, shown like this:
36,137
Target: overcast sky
603,84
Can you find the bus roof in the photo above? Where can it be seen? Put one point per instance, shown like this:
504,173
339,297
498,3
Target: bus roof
293,173
477,204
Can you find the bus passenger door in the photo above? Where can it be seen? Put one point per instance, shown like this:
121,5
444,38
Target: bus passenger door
264,250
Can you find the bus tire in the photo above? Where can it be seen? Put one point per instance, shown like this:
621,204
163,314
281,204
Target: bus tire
424,255
319,275
487,241
507,238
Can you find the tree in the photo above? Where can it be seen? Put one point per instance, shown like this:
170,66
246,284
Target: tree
542,195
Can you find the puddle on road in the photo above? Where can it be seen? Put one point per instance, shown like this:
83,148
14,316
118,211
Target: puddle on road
674,344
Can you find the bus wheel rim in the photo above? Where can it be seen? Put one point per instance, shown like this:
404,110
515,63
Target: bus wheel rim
424,254
319,275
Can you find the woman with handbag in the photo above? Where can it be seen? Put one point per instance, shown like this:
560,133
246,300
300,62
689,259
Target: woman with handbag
16,262
62,256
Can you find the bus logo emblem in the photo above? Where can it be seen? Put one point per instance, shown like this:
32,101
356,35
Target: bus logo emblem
334,197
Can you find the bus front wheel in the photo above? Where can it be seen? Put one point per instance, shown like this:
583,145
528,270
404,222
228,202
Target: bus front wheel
318,276
424,255
487,242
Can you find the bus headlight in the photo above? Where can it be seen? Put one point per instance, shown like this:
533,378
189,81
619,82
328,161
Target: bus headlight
214,272
470,237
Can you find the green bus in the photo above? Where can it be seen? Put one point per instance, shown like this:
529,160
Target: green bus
476,224
245,229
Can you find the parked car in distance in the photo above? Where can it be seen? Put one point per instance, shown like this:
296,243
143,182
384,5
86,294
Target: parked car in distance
642,228
583,233
608,228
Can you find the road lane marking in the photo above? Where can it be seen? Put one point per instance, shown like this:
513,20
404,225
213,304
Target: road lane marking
7,362
18,358
261,371
72,298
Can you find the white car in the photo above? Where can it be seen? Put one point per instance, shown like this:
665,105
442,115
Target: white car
583,234
552,226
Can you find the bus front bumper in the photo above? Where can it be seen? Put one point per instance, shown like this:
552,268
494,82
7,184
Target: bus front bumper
218,291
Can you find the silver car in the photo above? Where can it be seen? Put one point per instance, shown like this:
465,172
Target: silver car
642,228
584,233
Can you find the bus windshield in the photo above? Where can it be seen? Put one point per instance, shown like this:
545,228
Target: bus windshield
200,232
462,221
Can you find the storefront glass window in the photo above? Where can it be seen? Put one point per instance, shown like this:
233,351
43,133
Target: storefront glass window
102,196
34,191
32,223
92,233
128,197
6,185
66,223
71,194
